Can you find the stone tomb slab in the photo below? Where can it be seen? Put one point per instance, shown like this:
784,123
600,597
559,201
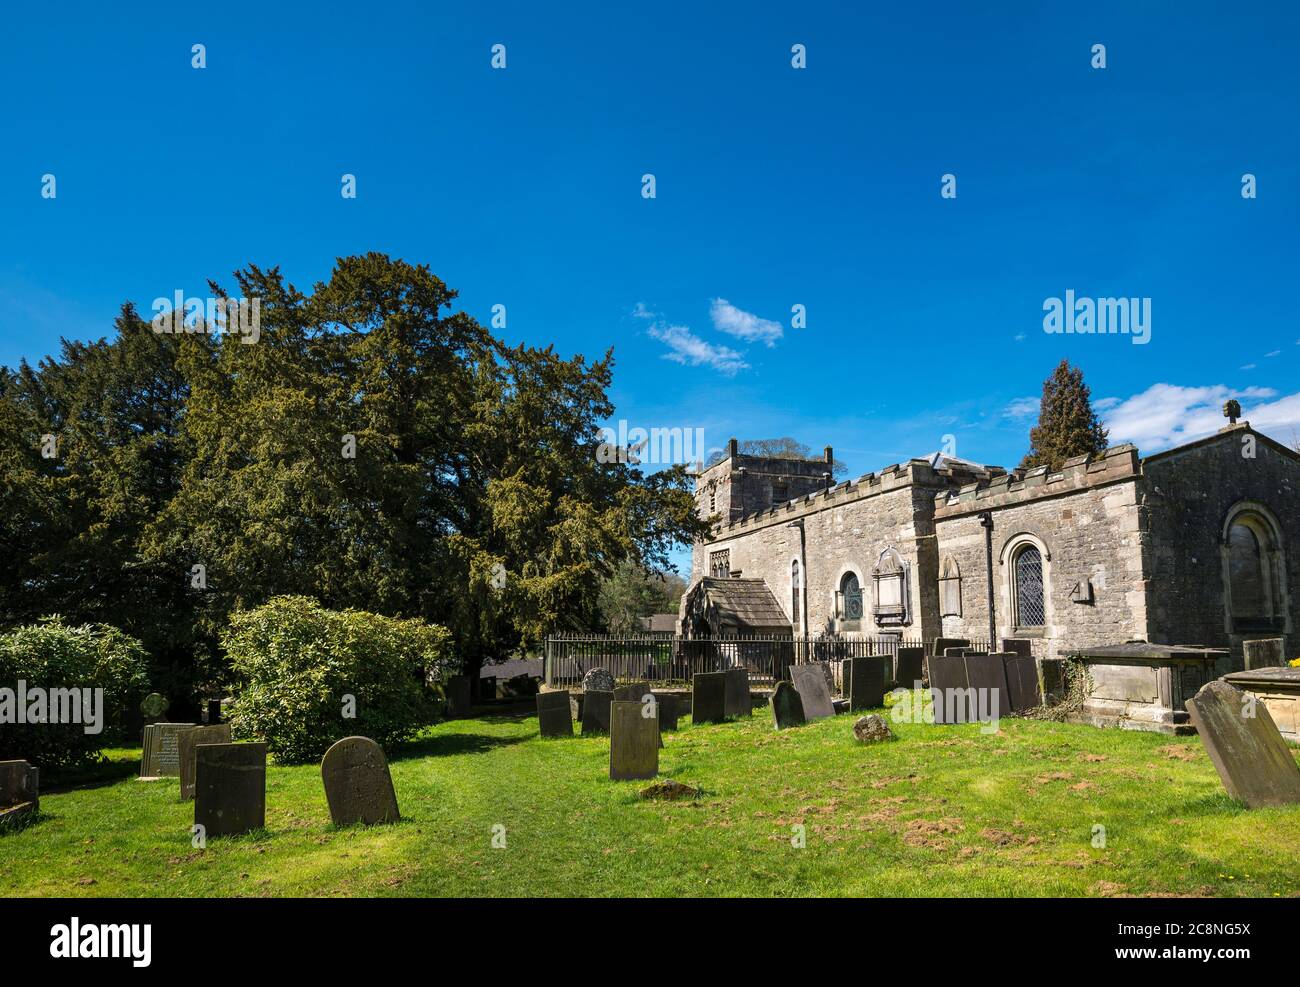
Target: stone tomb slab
786,707
161,757
909,667
1022,681
809,681
1279,690
950,689
709,697
229,788
1253,761
633,742
217,733
1267,653
987,675
736,700
358,784
554,714
595,711
866,681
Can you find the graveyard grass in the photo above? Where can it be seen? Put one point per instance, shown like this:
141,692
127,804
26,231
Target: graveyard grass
942,811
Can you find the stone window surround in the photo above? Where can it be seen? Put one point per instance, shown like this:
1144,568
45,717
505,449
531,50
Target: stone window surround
842,623
1010,549
1264,524
949,563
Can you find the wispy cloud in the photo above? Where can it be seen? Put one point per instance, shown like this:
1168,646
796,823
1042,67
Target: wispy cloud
1166,415
1021,408
687,348
641,311
743,325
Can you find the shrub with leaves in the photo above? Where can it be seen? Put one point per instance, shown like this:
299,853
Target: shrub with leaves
51,655
310,676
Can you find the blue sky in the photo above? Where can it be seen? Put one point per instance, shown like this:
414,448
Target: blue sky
775,187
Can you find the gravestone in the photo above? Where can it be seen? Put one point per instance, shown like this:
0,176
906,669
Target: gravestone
1022,681
942,644
598,680
1017,646
487,687
949,689
669,711
554,714
211,713
1267,653
20,790
154,707
809,681
736,700
358,785
909,668
955,652
633,692
161,756
987,675
186,742
458,697
229,788
786,707
595,711
1253,761
633,742
866,682
709,697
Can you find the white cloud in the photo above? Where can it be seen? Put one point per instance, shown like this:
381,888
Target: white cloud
642,312
1247,366
687,348
743,325
1166,415
1022,408
1274,353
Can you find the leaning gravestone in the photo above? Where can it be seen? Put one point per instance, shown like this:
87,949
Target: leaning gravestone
1267,653
736,700
595,711
598,680
230,788
987,675
1022,681
949,689
786,707
161,756
810,682
1253,761
358,785
909,667
186,741
866,681
20,788
633,742
554,714
709,697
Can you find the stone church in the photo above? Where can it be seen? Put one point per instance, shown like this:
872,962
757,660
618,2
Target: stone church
1199,544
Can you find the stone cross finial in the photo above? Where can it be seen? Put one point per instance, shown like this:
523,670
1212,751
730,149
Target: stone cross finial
1232,411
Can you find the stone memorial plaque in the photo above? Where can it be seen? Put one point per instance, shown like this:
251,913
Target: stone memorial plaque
161,756
633,742
1017,646
866,681
218,733
809,681
554,714
949,689
1253,761
358,784
987,675
1268,653
709,697
786,707
1022,681
229,788
909,667
595,711
736,700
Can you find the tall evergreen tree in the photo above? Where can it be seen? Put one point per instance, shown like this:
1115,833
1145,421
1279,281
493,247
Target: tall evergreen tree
1067,425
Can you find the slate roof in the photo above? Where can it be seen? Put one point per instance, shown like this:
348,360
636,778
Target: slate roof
747,603
659,623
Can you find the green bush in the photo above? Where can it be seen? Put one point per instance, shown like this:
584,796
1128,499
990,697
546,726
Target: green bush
297,663
53,656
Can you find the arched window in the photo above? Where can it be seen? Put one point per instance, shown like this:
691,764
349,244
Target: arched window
1246,573
850,597
1027,574
949,588
1254,571
794,593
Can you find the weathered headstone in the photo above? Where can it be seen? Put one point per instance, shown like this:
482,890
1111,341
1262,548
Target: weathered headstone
1022,681
161,756
669,711
632,692
1253,761
20,790
949,689
736,701
909,667
595,711
154,707
709,697
810,682
1267,653
1017,646
458,696
358,784
554,714
487,687
598,680
633,742
230,788
942,644
786,707
987,675
955,652
186,741
866,682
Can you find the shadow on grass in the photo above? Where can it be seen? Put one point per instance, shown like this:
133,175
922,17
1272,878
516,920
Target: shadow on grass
95,776
448,744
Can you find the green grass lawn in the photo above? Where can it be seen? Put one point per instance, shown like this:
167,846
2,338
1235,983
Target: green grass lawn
941,811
